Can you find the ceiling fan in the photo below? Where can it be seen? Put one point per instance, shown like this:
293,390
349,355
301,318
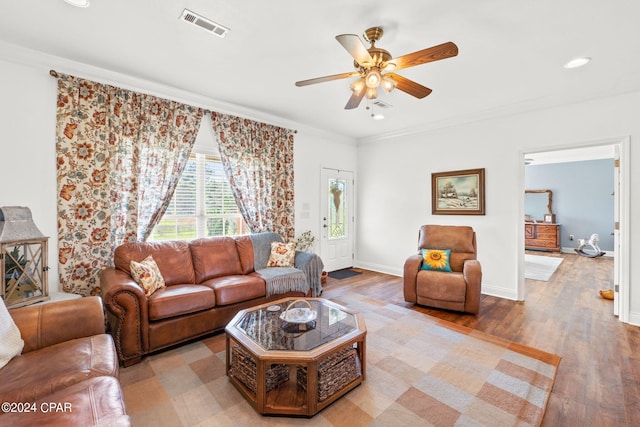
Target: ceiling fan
374,66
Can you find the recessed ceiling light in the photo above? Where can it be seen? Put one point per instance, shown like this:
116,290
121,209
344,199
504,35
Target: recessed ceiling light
577,62
78,3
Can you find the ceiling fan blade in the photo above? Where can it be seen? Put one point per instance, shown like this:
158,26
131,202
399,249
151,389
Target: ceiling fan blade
355,99
409,86
356,48
326,78
430,54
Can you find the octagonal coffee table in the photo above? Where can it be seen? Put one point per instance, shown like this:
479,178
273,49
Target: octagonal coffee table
296,367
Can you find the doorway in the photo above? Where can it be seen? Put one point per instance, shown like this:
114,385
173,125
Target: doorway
336,219
617,151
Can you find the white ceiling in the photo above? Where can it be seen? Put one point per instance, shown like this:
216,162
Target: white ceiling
511,52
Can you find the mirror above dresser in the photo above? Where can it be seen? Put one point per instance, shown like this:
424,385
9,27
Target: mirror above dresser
541,232
538,205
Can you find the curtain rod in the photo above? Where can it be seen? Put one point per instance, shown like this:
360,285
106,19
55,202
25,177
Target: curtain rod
54,73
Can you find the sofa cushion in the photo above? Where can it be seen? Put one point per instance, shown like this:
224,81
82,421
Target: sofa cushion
177,300
94,402
244,245
173,258
441,286
282,254
11,343
36,374
232,289
147,274
458,238
215,257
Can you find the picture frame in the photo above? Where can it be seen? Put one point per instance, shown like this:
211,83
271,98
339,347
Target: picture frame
458,192
549,218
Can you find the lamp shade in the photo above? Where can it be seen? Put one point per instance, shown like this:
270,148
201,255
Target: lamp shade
373,78
387,83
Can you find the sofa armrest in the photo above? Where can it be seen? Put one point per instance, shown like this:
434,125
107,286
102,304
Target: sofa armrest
311,264
52,323
410,277
472,272
127,314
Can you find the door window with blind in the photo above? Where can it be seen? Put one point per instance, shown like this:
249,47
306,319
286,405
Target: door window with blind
203,204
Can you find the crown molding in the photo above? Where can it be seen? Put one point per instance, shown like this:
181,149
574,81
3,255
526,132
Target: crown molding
489,114
39,60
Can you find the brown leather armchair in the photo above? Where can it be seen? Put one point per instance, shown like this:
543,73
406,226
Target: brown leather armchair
458,290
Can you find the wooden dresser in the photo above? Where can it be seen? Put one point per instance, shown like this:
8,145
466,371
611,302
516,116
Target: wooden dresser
542,236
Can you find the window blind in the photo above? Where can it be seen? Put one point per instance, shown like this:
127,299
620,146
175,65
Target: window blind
202,205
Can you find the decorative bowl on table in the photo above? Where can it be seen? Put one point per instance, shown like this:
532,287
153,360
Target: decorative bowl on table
298,315
298,319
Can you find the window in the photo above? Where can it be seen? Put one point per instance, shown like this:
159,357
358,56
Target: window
203,204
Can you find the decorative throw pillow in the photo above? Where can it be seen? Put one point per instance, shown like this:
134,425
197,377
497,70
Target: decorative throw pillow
11,343
282,254
147,274
436,259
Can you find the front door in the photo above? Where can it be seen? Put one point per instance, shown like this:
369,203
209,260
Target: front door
336,216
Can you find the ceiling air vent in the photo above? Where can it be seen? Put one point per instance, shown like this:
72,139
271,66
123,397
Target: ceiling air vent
204,23
381,104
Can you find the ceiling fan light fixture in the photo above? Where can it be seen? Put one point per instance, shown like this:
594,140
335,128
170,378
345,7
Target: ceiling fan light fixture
387,83
577,62
357,85
372,93
78,3
373,78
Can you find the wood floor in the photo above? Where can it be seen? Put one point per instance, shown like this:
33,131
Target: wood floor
598,382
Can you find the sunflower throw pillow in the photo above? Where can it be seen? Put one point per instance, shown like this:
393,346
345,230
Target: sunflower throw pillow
282,254
147,274
436,259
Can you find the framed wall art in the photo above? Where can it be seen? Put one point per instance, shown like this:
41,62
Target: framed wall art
458,192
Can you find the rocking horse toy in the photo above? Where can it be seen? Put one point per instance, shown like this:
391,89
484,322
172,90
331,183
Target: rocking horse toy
589,247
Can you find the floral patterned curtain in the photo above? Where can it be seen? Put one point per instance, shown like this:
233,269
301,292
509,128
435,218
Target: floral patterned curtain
258,162
120,155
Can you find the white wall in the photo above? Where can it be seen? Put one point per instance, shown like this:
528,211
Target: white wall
27,145
27,149
312,153
394,197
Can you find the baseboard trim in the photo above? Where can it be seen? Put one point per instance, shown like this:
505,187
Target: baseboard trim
379,268
634,318
496,291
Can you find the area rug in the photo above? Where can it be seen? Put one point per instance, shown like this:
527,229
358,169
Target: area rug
420,371
540,267
344,273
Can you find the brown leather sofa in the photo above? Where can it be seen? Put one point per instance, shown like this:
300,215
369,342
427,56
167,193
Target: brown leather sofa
458,290
67,373
207,282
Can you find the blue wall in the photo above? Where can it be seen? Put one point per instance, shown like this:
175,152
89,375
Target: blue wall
582,198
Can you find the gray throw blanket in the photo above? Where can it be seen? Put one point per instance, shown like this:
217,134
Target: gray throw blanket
278,279
312,266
